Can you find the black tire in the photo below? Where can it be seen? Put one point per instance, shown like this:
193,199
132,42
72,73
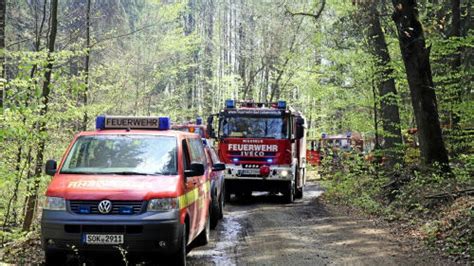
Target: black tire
180,256
226,193
299,193
215,211
203,238
289,194
55,258
221,206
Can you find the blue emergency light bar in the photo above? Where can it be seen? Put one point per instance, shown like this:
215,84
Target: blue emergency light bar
281,104
198,120
229,103
130,122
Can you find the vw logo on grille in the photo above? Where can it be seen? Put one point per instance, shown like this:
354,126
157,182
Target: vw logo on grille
105,206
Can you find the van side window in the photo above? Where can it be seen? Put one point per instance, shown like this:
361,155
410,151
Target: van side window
186,161
197,151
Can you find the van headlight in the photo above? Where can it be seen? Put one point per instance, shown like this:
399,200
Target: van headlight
166,204
55,204
284,173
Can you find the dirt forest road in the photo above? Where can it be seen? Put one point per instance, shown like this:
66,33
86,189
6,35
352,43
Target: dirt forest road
262,230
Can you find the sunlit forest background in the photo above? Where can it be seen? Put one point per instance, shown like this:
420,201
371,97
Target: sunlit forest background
184,58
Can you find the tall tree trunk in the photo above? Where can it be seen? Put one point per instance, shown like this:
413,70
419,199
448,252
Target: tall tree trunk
416,57
390,114
3,8
189,27
87,62
33,194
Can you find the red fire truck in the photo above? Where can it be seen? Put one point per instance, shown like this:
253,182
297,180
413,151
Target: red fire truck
263,146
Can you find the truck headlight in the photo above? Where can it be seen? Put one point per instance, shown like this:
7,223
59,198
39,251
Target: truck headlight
284,173
55,204
165,204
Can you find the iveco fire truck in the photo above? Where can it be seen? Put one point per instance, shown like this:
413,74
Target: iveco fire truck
263,147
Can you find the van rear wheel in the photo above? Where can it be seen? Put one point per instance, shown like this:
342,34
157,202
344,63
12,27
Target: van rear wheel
215,211
203,237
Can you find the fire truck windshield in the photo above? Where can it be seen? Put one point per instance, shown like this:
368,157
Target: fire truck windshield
253,127
123,155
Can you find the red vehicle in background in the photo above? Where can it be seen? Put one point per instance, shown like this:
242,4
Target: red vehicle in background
263,146
197,128
313,156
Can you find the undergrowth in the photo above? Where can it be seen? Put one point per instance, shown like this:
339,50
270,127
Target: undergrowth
439,206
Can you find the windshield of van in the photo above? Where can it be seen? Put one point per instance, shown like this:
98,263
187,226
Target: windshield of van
123,155
253,127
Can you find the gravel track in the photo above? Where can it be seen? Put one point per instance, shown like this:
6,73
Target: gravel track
262,230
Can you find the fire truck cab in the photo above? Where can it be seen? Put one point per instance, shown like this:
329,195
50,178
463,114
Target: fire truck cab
131,184
263,146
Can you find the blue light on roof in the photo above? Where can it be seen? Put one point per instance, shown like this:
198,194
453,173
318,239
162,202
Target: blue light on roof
281,105
229,103
164,123
100,122
199,120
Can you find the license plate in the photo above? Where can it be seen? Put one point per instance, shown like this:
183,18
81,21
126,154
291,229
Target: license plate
99,239
250,172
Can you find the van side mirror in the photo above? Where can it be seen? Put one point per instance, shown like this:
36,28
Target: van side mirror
197,169
51,166
218,167
300,125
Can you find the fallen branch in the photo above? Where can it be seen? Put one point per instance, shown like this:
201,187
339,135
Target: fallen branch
454,194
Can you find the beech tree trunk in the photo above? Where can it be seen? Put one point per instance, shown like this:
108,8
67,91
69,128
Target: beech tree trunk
416,57
385,83
87,63
33,193
3,8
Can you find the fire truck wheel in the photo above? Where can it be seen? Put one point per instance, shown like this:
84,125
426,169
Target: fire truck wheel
215,211
203,237
290,193
180,256
226,193
299,193
55,258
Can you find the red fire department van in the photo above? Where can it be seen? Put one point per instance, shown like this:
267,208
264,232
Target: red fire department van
132,183
263,146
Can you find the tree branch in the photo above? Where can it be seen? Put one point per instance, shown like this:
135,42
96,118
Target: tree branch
123,35
313,15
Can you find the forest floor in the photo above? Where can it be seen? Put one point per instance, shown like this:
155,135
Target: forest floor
261,230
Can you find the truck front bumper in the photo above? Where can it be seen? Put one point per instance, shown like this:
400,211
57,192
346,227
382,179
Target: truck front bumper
239,179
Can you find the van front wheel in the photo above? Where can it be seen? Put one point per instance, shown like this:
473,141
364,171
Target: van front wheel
180,256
